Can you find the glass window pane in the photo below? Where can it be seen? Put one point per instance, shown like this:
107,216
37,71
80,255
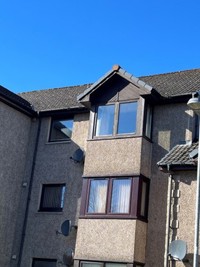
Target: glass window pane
52,197
120,201
148,121
105,120
143,199
44,263
115,265
91,264
97,196
127,118
61,130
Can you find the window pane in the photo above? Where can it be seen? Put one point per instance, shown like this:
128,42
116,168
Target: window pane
105,120
52,197
143,199
121,191
148,121
127,118
44,263
61,130
97,196
91,264
115,265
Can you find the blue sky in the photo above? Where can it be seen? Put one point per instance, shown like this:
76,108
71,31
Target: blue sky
55,43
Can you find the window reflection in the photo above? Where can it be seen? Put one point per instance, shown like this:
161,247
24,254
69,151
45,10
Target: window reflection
105,120
127,118
61,130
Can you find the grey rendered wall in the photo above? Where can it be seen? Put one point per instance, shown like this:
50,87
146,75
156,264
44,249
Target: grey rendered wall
14,145
107,239
172,124
53,165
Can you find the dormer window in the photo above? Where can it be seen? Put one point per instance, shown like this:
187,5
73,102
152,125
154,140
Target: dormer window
116,119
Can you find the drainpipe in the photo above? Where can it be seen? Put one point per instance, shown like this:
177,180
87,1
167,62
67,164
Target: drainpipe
169,194
29,196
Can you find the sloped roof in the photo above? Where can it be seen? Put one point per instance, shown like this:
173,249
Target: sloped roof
15,100
175,83
116,69
167,85
179,156
55,99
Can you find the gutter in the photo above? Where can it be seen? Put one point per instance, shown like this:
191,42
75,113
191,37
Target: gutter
29,195
169,195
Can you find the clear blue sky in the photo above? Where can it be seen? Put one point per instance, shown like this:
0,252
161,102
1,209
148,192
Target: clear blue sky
55,43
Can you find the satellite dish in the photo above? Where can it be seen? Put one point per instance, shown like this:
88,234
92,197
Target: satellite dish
78,156
66,227
68,257
177,249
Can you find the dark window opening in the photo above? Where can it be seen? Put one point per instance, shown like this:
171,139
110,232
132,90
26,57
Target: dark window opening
52,198
61,130
44,263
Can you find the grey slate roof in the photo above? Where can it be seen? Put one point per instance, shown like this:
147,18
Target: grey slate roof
175,83
179,156
55,99
168,85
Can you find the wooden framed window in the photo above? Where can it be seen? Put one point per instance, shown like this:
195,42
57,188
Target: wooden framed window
116,119
115,197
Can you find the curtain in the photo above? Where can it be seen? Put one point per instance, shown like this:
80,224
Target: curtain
97,196
120,201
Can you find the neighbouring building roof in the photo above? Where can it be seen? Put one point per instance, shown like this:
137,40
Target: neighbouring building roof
179,157
167,85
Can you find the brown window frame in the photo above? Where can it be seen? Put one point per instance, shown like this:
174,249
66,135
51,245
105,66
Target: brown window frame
103,263
135,198
115,120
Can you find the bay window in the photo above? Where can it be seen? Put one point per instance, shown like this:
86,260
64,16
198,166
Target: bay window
116,119
115,197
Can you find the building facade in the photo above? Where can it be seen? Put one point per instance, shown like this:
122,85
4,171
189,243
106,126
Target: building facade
111,159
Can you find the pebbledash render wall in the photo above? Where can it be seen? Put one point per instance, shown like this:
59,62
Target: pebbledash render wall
16,160
30,161
54,166
173,124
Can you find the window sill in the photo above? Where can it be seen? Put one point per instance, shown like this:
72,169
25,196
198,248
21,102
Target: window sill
114,137
118,216
50,212
58,142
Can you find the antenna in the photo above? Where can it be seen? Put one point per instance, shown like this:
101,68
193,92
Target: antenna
177,249
78,156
